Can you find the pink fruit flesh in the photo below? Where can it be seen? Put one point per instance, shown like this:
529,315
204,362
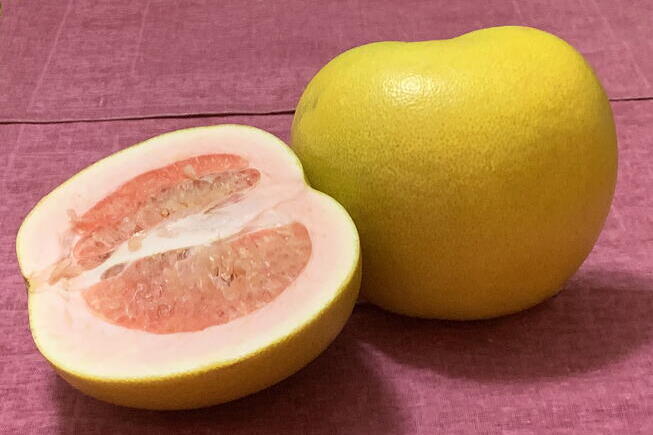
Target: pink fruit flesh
190,289
126,200
186,289
185,198
164,194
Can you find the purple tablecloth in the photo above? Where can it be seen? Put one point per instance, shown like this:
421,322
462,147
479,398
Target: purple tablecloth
79,80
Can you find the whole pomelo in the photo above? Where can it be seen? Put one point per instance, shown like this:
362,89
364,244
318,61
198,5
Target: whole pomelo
479,170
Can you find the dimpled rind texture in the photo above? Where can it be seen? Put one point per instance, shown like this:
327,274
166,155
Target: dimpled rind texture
479,170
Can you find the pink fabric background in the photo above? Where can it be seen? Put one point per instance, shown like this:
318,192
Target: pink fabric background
77,78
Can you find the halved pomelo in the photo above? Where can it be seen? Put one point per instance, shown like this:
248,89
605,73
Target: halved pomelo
191,269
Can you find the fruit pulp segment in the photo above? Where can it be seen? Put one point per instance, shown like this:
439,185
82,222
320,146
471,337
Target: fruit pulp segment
193,288
169,193
126,200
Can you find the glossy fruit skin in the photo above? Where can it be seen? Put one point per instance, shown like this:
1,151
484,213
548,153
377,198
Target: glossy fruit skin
479,170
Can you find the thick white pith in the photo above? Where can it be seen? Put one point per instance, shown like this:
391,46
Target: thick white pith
71,336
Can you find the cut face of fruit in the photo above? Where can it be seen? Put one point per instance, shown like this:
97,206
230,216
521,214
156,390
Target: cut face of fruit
181,258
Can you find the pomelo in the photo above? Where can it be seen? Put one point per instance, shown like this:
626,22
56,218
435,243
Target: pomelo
191,269
479,170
